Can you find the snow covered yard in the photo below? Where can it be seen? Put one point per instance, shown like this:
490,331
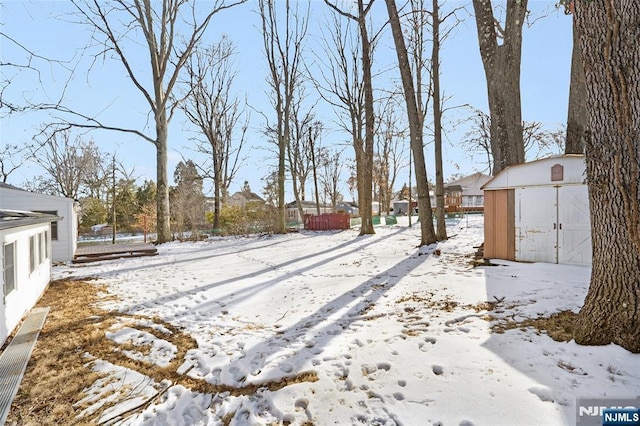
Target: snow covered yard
331,328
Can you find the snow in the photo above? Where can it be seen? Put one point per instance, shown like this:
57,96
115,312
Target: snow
367,329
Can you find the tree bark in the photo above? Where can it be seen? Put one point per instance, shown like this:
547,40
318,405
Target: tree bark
425,214
441,226
608,32
502,69
366,213
577,113
163,224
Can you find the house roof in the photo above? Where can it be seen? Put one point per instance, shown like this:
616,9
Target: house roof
241,198
471,185
16,218
306,204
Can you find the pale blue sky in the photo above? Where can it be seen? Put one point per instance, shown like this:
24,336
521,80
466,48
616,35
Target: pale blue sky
44,28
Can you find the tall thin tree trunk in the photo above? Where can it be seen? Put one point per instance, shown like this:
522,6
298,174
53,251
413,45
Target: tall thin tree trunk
217,190
425,214
610,50
366,213
441,226
577,114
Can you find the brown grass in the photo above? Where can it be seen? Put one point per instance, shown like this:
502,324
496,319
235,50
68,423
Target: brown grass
57,372
559,326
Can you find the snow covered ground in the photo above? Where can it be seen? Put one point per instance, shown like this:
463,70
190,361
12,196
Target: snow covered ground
368,330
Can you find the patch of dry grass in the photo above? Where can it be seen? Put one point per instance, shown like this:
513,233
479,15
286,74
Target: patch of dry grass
559,326
58,373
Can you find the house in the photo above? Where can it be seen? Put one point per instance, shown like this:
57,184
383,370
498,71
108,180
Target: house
25,238
308,207
539,212
64,233
242,198
349,207
472,196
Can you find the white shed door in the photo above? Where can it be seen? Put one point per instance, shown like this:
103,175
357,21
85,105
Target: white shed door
574,226
536,227
553,225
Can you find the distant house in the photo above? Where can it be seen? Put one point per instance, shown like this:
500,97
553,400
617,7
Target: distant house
64,233
472,194
25,238
242,198
349,207
308,207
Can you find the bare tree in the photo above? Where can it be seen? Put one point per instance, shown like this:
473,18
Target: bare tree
502,69
213,109
283,42
538,140
68,161
340,85
12,157
390,152
170,30
428,235
331,166
300,149
364,148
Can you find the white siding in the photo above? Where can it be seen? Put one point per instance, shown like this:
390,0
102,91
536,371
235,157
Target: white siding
29,285
64,247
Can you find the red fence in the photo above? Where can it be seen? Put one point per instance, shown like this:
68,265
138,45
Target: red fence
327,221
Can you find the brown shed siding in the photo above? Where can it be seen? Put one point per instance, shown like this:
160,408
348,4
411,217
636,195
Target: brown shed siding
499,224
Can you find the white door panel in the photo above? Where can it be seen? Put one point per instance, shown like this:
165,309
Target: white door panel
536,229
574,223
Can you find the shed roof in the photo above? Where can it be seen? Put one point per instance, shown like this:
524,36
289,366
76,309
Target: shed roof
539,173
15,218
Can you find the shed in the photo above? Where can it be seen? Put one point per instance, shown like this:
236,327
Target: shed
539,212
25,256
64,233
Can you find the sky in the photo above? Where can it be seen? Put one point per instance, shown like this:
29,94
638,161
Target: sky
102,88
394,334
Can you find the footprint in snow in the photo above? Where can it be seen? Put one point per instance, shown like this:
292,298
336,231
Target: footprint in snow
437,370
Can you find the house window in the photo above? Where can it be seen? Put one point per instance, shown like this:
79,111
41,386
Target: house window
47,254
42,247
33,253
54,225
9,267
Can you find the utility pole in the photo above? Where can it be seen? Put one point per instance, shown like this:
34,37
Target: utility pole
113,198
410,203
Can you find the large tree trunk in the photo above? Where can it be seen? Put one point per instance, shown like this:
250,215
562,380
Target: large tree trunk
577,114
425,214
502,69
441,226
608,31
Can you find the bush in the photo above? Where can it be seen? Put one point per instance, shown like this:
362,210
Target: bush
253,218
